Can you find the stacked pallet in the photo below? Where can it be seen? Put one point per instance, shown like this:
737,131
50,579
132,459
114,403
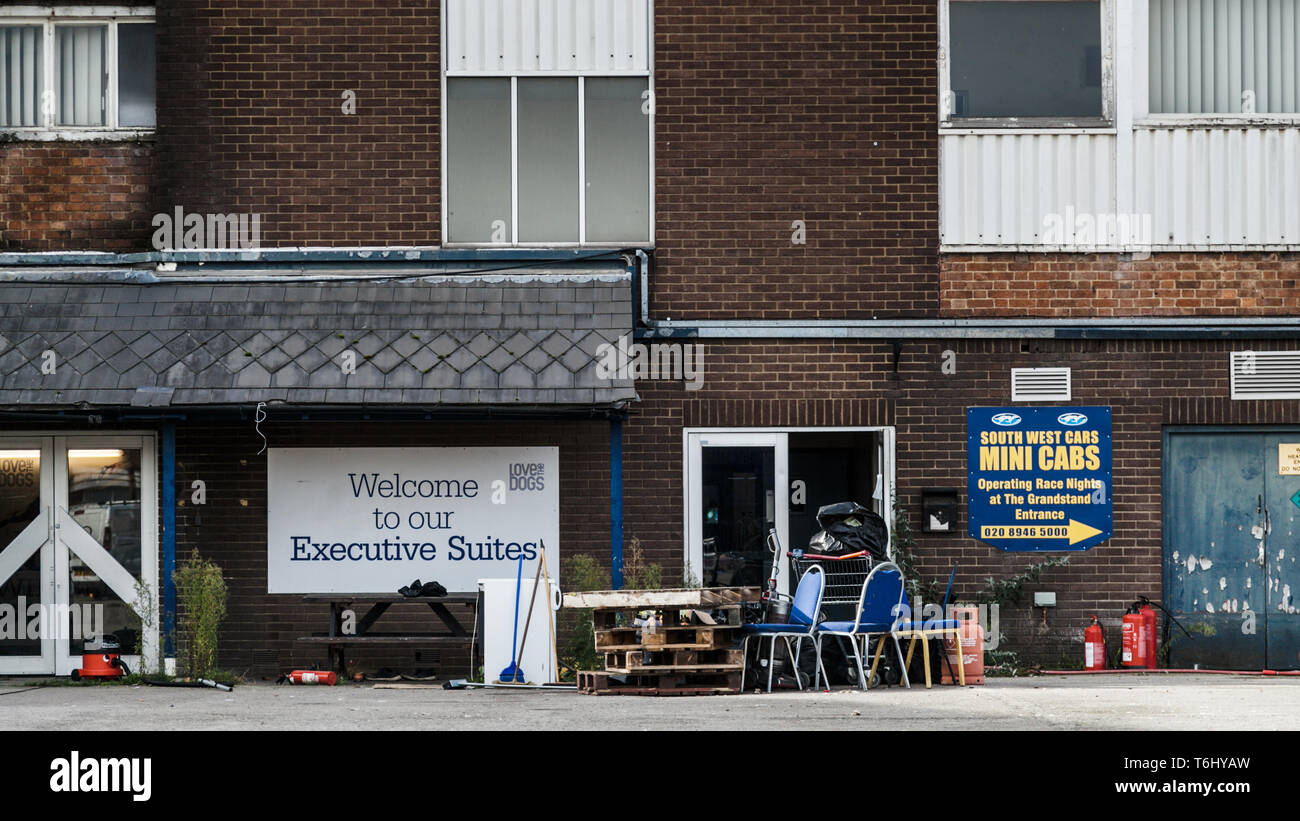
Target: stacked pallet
694,652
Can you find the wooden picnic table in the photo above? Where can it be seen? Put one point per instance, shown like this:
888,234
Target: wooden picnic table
336,640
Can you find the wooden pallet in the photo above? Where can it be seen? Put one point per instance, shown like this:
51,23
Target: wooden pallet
607,683
674,660
699,598
695,637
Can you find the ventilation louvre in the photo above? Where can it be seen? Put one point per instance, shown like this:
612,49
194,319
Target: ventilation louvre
1040,384
1264,374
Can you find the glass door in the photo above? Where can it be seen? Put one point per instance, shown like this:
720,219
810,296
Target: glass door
732,504
77,525
26,554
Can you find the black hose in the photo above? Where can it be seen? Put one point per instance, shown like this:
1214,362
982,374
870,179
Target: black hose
196,684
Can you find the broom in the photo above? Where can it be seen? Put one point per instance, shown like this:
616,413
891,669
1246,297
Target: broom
513,674
528,620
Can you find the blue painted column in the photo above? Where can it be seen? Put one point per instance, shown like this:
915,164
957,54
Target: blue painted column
169,532
616,502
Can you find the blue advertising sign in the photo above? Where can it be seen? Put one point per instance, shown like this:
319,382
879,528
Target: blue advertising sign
1039,478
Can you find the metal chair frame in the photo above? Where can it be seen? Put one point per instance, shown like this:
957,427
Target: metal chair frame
856,633
785,635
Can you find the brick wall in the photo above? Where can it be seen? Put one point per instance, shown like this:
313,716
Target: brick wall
85,196
250,117
767,113
761,383
231,528
1182,284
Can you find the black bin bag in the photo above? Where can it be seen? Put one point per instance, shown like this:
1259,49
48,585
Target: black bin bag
848,527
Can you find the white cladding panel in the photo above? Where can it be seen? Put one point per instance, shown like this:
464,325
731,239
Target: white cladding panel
1219,186
1196,186
532,36
999,189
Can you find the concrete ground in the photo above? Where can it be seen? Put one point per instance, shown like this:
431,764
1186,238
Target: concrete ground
1119,702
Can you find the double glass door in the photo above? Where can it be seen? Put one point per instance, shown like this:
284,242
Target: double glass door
78,549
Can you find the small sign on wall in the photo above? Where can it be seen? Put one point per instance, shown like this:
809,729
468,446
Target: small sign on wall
370,520
1288,458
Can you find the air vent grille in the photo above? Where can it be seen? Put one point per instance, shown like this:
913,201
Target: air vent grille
1265,374
1040,384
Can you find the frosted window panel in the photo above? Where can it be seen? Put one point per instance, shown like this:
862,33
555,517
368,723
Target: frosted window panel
1025,58
548,160
81,74
135,75
478,160
617,160
1224,56
21,75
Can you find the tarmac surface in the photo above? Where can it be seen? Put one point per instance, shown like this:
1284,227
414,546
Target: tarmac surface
1098,702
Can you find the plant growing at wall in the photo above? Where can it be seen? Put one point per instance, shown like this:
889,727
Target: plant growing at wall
201,604
1011,589
147,607
902,546
583,573
638,574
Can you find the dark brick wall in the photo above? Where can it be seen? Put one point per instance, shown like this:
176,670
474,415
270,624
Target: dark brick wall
250,117
767,113
86,196
1147,384
231,528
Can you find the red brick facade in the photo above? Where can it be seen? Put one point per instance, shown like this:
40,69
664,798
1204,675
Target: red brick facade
1081,285
87,196
766,113
231,528
1148,385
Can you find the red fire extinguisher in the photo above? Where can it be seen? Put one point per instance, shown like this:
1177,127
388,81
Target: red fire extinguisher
312,677
1094,647
1148,614
1134,639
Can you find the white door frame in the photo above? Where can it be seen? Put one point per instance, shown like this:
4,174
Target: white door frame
37,536
58,655
694,440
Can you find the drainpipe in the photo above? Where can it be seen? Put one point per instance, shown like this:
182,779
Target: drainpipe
616,502
169,532
644,281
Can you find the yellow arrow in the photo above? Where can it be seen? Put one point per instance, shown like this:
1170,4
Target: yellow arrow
1080,531
1075,532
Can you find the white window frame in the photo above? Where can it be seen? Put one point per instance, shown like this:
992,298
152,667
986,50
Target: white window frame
1103,124
51,16
694,440
1140,20
514,77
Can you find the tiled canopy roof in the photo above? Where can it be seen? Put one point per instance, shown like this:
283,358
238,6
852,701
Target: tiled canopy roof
501,340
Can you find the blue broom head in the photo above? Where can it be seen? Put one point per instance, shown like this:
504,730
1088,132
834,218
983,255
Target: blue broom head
512,674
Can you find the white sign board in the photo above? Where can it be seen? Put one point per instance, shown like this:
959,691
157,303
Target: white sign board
371,520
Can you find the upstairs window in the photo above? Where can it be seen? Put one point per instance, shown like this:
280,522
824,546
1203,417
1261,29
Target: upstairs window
1224,57
548,117
76,77
1026,62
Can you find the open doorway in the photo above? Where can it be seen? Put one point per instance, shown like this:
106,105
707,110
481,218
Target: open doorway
741,483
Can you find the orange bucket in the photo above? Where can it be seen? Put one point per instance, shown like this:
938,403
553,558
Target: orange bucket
972,646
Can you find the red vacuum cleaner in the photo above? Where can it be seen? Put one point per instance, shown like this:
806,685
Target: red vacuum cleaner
105,661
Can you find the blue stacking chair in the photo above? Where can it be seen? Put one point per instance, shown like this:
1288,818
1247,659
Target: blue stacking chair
881,608
804,609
